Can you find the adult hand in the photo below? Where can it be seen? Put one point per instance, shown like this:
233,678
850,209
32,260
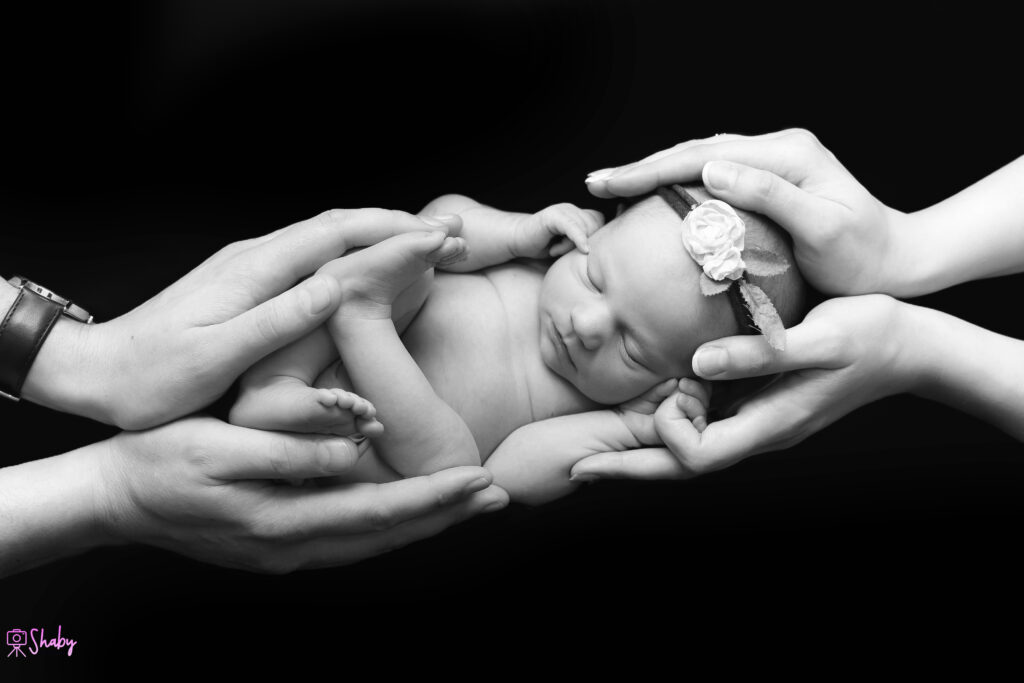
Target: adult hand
183,348
209,490
845,241
846,353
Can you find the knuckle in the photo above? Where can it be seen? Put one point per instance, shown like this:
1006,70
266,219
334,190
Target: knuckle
333,217
268,327
804,139
380,517
765,184
758,361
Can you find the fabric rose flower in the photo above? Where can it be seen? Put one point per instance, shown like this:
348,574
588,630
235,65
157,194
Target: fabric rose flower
714,238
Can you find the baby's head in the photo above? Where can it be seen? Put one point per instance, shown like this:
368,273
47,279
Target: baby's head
630,314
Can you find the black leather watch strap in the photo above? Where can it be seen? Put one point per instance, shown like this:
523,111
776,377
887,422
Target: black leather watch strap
22,333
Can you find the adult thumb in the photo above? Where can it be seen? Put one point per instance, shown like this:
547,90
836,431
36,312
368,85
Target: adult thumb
751,355
795,209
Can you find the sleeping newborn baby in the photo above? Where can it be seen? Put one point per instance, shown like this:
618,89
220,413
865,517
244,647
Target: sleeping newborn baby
465,349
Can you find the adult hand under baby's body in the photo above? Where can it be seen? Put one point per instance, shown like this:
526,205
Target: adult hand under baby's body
212,491
835,361
183,348
845,241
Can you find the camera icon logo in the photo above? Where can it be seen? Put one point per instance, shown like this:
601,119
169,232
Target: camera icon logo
16,639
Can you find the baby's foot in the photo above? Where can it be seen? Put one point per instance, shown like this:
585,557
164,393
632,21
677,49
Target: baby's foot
292,406
373,278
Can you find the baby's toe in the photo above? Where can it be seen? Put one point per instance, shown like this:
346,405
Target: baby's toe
325,397
370,427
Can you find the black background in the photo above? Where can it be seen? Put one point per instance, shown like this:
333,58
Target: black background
139,138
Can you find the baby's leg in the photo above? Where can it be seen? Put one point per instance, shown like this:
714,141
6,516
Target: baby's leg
278,393
423,434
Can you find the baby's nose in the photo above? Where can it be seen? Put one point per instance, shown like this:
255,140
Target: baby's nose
591,323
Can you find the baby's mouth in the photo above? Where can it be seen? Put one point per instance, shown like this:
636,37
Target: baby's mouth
561,348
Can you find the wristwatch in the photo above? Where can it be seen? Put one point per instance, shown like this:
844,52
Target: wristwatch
24,329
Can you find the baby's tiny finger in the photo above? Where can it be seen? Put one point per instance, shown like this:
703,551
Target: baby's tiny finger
690,406
561,247
700,423
595,219
695,388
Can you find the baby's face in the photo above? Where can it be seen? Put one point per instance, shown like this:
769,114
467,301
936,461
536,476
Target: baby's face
630,314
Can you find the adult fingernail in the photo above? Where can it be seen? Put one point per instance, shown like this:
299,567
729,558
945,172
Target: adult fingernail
433,220
494,506
719,175
710,361
316,294
343,454
478,484
584,478
600,174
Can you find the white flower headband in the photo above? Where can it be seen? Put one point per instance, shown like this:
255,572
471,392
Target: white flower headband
713,235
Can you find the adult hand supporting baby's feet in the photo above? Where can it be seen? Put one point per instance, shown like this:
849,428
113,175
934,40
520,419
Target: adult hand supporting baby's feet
847,352
183,348
209,490
845,240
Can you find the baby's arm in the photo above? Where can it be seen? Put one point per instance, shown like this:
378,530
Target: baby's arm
494,237
534,462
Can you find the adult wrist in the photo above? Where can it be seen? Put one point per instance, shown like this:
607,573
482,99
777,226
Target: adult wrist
909,268
69,373
52,508
921,349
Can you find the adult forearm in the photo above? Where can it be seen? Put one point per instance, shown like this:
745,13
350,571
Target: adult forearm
969,368
51,508
977,233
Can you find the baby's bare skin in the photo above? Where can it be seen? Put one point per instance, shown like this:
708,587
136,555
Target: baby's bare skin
506,360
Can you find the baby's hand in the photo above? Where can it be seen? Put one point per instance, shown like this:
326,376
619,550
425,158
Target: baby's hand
638,413
532,235
686,410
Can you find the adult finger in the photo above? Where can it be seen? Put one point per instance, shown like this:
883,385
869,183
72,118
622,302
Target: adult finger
811,344
596,179
251,335
362,508
242,453
300,249
340,550
802,214
790,154
766,422
641,463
